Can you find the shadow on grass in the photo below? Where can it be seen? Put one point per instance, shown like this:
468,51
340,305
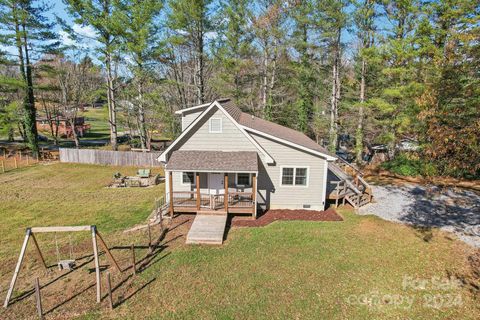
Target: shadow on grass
69,299
143,264
30,292
427,207
470,278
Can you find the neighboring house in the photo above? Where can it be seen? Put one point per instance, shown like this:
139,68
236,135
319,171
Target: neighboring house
64,126
256,163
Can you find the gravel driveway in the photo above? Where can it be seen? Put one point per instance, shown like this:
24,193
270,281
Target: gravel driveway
452,210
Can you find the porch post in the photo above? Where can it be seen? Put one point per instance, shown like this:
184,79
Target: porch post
225,196
170,190
197,182
254,194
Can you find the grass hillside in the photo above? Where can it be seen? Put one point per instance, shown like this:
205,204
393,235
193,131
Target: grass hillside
361,268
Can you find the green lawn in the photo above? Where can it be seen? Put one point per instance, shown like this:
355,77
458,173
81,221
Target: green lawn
98,120
66,194
286,270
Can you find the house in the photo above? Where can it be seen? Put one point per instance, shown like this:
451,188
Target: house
64,126
228,161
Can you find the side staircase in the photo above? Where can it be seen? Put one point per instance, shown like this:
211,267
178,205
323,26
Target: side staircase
351,187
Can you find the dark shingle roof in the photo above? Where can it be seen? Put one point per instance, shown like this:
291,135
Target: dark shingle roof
195,160
271,128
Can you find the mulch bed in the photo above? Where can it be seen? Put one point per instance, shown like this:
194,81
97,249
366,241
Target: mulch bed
287,215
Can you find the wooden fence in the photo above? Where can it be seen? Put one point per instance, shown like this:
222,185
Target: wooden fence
114,158
15,161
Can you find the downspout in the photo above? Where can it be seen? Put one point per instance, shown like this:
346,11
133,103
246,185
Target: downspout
325,183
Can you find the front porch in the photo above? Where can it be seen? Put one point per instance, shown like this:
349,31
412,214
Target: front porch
194,201
212,182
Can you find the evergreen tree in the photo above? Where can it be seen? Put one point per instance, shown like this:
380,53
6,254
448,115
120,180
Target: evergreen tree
331,20
396,105
364,18
270,32
304,66
191,21
140,41
102,16
234,49
450,111
23,25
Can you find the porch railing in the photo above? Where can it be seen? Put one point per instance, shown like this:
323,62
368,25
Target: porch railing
184,199
240,199
188,199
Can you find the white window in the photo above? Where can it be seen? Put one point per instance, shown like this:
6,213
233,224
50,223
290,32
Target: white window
291,176
188,178
215,125
243,179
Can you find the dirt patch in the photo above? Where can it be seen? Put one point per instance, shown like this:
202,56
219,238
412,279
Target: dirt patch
286,215
69,294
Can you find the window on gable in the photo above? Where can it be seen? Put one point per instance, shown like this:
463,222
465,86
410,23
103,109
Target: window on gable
215,125
243,179
294,176
188,178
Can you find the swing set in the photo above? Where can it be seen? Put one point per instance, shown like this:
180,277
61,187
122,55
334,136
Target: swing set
68,264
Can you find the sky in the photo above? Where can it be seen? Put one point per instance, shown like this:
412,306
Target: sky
59,9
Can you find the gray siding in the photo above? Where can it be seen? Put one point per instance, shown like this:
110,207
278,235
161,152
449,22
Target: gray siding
270,193
290,197
189,117
231,138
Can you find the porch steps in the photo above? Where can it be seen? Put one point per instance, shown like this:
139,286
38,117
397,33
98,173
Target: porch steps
207,229
351,187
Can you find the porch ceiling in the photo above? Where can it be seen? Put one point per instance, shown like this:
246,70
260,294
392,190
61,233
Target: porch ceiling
215,161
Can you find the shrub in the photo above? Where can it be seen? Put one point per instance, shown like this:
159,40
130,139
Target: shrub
410,165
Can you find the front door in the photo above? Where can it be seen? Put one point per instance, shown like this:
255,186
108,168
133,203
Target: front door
215,187
215,183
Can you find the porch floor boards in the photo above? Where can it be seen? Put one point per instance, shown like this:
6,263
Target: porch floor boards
207,229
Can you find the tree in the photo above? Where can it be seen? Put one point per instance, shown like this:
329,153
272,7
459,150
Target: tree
234,50
364,19
47,94
396,104
23,25
140,42
331,21
190,21
449,50
102,16
269,31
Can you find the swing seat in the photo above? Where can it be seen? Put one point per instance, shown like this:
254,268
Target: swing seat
66,264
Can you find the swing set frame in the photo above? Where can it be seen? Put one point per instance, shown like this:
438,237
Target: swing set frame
30,233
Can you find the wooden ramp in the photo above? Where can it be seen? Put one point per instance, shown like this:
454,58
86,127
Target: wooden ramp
207,229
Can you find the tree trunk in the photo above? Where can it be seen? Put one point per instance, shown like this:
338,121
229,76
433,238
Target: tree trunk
21,130
75,139
11,134
265,79
29,133
51,122
333,131
30,111
359,133
199,72
112,115
141,117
